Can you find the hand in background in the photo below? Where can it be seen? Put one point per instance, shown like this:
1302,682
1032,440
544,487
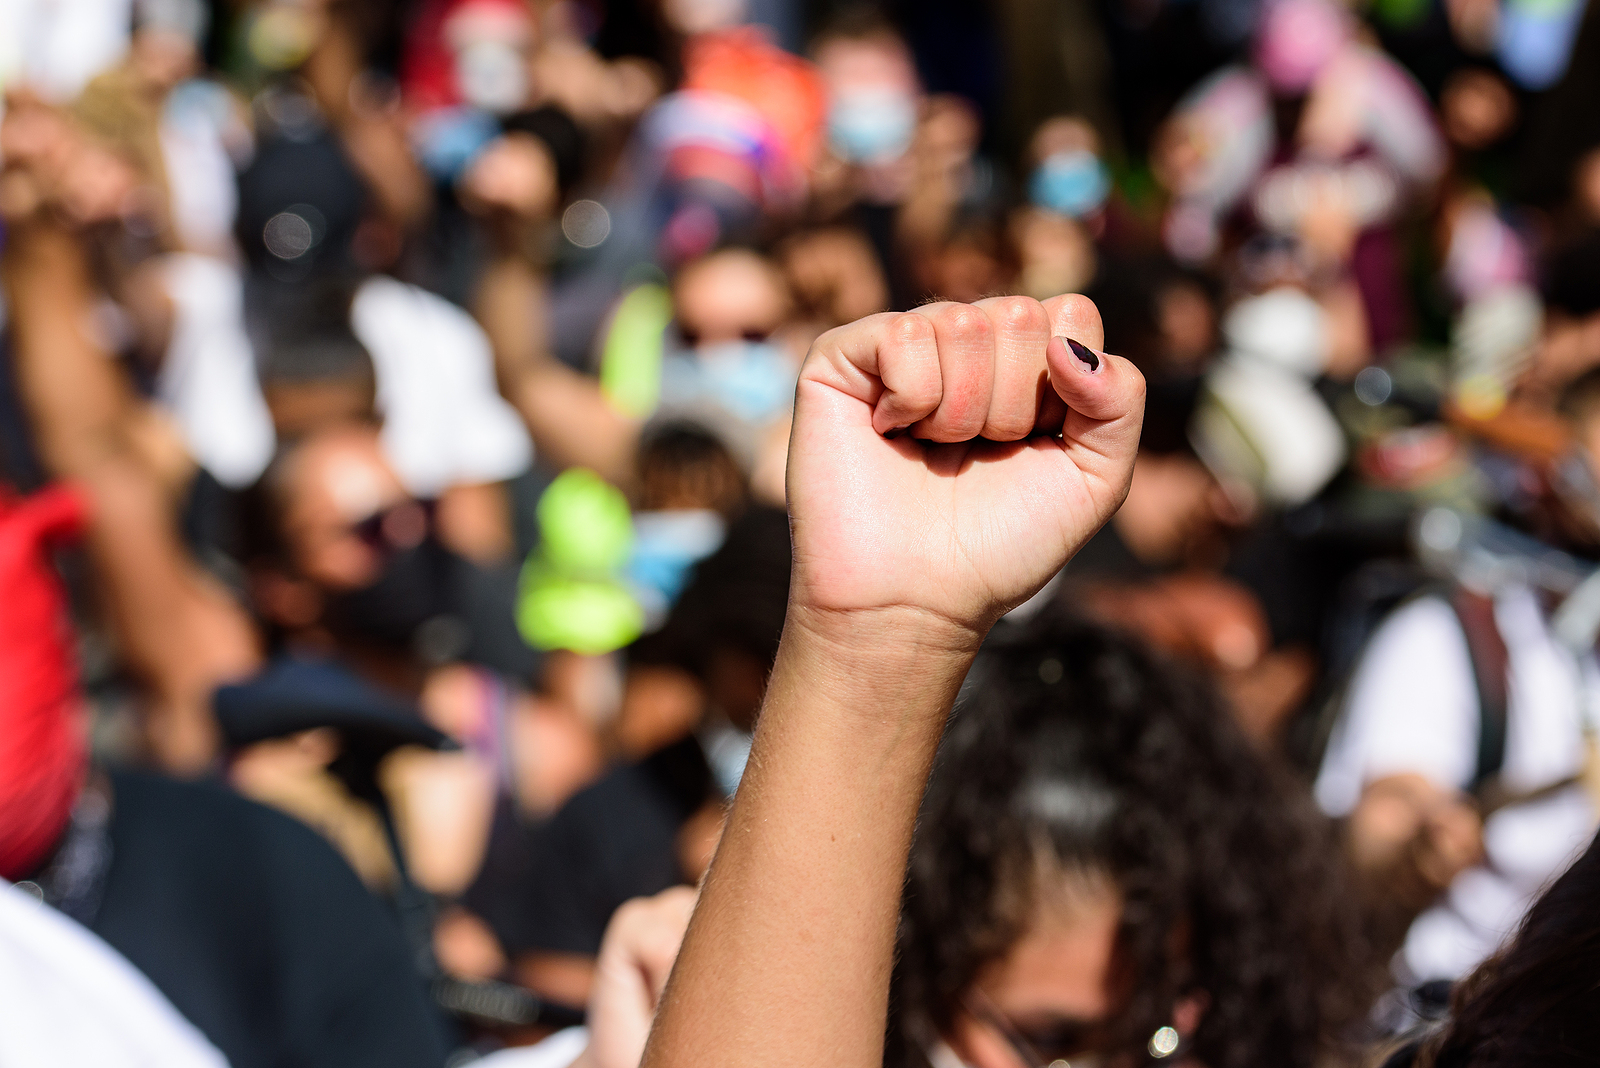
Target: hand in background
636,956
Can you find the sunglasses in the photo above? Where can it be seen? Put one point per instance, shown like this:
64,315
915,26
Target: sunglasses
691,338
1067,1044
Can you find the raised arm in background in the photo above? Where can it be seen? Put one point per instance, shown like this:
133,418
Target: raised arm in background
567,415
176,628
944,464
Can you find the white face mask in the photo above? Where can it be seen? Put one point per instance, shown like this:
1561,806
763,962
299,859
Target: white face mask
492,75
753,380
872,125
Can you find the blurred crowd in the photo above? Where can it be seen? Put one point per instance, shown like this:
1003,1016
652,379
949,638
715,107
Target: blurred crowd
402,393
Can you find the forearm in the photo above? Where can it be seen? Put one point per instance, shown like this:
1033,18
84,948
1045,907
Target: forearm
176,629
568,417
788,958
75,399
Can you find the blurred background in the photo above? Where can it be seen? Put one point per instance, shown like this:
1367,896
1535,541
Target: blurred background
422,371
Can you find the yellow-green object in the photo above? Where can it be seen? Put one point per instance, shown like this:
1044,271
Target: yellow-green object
584,523
630,363
569,595
586,616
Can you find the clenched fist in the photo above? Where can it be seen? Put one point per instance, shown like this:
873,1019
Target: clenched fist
946,462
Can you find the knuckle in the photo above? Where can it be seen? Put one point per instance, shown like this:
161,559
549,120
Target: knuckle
1020,314
967,322
910,328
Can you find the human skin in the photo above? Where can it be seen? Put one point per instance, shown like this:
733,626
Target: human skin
944,464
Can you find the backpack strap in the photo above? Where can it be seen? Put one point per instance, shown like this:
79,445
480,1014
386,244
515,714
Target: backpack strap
1491,663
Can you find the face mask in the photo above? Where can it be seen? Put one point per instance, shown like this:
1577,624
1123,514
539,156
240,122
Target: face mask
727,750
410,607
871,125
492,75
753,380
1072,183
667,545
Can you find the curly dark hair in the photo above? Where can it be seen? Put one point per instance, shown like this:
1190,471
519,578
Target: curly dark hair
1536,1001
1073,739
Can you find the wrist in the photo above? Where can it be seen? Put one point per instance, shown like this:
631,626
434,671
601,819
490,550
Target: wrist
890,638
893,671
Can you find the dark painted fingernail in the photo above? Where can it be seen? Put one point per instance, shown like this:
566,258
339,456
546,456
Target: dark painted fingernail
1086,356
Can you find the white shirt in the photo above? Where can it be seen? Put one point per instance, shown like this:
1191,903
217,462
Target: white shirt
56,46
1412,707
208,378
444,423
68,1000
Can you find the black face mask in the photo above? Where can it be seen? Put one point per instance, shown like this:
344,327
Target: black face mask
411,607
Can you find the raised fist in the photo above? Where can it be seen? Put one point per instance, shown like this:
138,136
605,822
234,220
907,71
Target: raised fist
947,461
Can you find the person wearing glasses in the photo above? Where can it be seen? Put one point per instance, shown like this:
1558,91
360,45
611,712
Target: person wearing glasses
1106,872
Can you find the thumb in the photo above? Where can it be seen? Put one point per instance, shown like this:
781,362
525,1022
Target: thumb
1103,393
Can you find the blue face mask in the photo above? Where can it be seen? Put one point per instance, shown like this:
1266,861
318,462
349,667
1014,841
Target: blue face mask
1072,183
753,380
871,125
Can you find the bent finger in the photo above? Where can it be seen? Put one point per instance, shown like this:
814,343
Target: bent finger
966,340
1021,380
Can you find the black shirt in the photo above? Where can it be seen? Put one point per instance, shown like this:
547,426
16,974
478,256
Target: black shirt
259,933
555,889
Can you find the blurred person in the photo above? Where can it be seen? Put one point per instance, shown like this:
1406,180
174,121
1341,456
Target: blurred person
344,564
317,54
183,635
834,275
1068,186
690,486
247,922
731,369
180,633
1104,868
901,162
1326,141
1457,757
303,210
874,101
651,822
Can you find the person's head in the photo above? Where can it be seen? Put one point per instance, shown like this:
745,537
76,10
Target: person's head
734,294
1101,857
528,170
974,260
835,275
1534,1002
1066,174
873,89
683,466
1476,108
314,371
335,546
